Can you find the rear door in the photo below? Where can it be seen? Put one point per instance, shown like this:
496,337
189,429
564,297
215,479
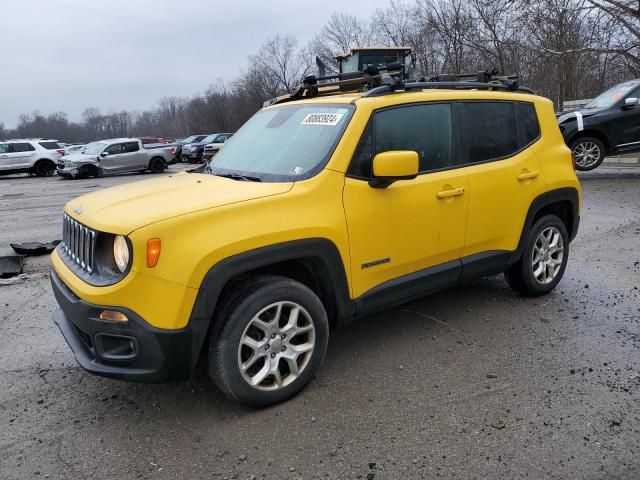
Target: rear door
22,154
134,157
499,139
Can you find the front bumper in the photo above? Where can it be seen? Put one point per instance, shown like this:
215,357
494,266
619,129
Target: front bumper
67,169
133,351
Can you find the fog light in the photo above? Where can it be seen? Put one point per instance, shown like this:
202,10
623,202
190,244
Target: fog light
113,316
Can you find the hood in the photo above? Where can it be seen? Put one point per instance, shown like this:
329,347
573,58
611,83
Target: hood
585,112
78,157
125,208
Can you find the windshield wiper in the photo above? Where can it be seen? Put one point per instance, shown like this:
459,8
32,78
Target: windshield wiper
235,176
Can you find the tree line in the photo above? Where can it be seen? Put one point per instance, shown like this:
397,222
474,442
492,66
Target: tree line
563,49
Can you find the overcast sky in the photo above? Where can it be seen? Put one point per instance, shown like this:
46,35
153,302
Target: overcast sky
66,55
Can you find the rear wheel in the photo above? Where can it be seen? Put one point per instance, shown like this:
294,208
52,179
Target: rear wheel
44,168
589,153
543,259
270,339
157,165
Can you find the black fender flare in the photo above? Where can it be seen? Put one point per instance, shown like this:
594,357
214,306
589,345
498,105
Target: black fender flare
566,194
319,249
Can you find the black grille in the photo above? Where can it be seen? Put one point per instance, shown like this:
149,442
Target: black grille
78,242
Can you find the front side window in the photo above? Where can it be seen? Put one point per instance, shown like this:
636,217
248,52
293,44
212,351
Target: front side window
488,130
115,149
23,147
426,129
286,143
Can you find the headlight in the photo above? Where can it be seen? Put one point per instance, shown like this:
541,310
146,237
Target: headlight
121,252
193,149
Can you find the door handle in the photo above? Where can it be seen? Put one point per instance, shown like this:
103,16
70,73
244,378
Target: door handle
454,192
528,175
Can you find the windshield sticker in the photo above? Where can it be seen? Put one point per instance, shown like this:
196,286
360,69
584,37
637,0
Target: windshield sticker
330,119
296,170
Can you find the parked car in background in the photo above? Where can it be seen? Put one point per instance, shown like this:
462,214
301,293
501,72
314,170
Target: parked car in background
184,141
194,152
35,156
69,149
117,155
212,148
607,125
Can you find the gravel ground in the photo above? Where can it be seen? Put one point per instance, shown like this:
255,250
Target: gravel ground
475,382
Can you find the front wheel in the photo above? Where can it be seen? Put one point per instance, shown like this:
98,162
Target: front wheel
589,153
543,259
270,339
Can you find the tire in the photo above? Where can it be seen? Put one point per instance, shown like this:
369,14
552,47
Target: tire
589,153
157,165
44,168
249,314
536,255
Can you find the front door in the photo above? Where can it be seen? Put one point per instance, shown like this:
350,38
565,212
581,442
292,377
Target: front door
628,125
397,233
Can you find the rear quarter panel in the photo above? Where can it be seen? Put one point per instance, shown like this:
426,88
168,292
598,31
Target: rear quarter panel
554,155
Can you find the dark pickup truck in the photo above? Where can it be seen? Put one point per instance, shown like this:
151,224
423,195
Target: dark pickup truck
607,125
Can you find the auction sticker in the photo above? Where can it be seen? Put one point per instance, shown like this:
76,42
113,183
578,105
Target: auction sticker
330,119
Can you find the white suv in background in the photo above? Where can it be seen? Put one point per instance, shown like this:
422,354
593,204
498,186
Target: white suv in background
36,156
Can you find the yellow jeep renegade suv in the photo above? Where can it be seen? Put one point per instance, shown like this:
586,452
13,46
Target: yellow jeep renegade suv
317,210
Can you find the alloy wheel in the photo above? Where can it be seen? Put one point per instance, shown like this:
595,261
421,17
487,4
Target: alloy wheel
547,255
276,346
587,154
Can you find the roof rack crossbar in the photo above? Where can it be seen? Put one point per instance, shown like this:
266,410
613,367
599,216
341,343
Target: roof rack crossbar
390,78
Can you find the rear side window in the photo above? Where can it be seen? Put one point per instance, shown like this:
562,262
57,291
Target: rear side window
4,147
488,130
130,147
23,147
50,145
426,129
527,122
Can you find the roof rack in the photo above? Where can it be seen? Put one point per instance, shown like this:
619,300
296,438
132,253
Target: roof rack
390,79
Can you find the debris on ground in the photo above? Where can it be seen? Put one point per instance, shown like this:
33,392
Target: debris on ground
34,248
10,266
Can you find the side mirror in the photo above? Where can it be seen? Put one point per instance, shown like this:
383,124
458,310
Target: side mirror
389,167
631,102
104,154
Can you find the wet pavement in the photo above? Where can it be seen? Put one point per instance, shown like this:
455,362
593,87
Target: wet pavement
475,382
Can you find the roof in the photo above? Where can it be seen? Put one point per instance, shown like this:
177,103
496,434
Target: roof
401,97
373,49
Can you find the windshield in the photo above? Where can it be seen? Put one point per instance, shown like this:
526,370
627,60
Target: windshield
210,138
94,148
611,96
285,143
193,139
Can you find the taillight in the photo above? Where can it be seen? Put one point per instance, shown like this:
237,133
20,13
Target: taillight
173,150
61,151
573,160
